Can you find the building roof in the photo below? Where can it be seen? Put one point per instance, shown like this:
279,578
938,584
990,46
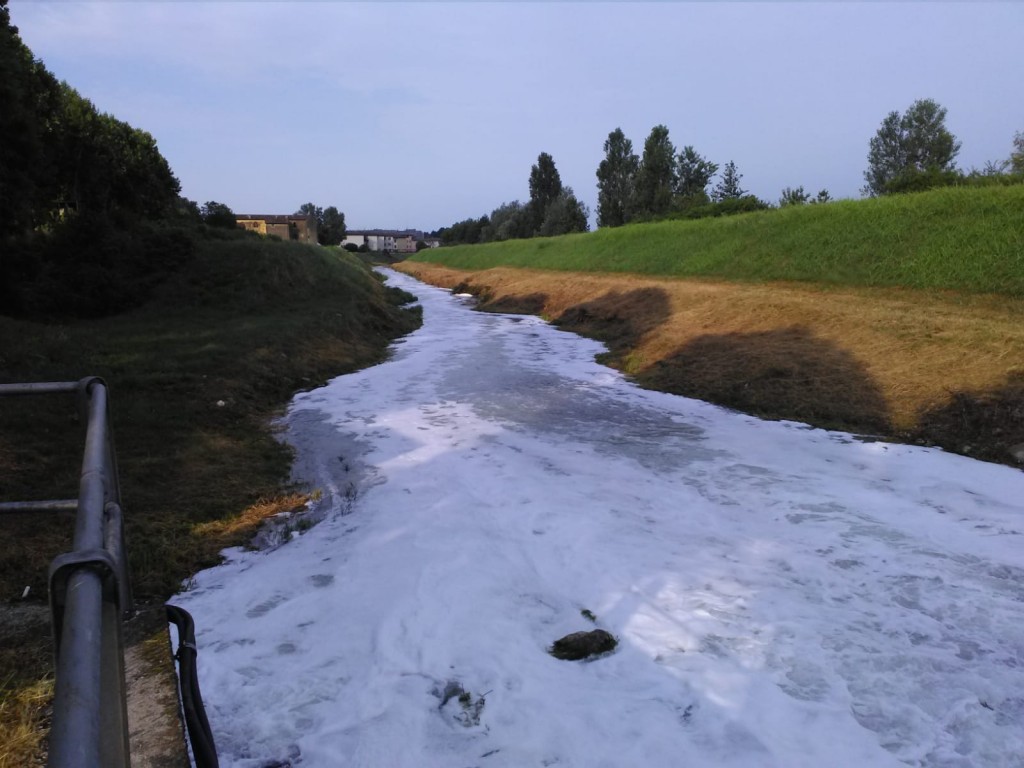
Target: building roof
387,232
273,218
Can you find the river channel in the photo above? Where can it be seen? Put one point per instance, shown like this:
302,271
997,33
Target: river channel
781,595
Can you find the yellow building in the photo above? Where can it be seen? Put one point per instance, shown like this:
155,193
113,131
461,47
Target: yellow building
299,228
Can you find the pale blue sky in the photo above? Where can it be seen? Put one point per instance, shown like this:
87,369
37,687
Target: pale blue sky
422,114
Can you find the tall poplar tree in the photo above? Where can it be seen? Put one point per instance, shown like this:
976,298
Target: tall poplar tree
616,177
656,176
545,187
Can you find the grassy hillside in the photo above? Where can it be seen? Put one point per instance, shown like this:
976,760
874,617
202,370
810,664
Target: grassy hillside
953,238
245,324
195,376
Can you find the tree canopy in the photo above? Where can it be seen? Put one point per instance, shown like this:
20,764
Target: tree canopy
30,96
553,209
330,222
465,232
911,145
216,214
332,227
616,177
508,221
311,211
793,196
656,176
564,214
693,174
1017,156
545,187
728,187
60,157
89,204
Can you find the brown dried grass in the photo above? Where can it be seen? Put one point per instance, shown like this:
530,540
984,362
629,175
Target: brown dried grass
219,534
24,721
880,360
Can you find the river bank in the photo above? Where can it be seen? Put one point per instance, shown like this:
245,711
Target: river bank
925,367
779,594
197,378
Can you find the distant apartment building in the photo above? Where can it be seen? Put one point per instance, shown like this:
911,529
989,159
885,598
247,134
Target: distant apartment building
299,228
390,240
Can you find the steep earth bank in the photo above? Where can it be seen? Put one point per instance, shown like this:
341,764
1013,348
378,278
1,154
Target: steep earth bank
928,367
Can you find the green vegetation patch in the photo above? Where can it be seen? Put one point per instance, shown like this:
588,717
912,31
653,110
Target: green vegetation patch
195,376
968,239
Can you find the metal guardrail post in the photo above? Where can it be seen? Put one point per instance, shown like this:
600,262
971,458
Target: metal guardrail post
89,596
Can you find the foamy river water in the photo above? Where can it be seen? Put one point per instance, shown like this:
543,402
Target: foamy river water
782,596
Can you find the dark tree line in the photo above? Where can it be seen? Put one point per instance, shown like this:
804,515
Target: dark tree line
61,158
553,209
80,191
910,152
330,223
915,151
664,183
92,216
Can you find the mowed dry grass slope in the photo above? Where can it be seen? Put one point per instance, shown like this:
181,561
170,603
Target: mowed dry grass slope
933,367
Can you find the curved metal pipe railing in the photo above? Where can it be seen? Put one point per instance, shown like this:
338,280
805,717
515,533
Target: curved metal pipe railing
199,733
90,595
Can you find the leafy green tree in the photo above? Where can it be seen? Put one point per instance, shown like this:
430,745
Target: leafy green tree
331,229
61,158
913,180
887,155
1017,156
616,177
911,150
508,221
105,167
330,222
545,186
28,109
656,176
144,185
85,198
564,214
464,232
188,210
311,211
822,197
792,196
218,215
694,173
728,187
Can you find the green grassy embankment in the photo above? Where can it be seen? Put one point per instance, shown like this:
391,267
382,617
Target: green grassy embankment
196,376
958,239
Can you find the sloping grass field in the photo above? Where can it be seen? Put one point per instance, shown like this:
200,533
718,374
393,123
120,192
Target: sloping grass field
196,376
899,316
959,239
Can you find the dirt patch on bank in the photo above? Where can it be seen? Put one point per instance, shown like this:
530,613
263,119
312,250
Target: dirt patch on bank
936,368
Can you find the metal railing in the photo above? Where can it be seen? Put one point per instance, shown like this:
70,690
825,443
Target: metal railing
90,595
